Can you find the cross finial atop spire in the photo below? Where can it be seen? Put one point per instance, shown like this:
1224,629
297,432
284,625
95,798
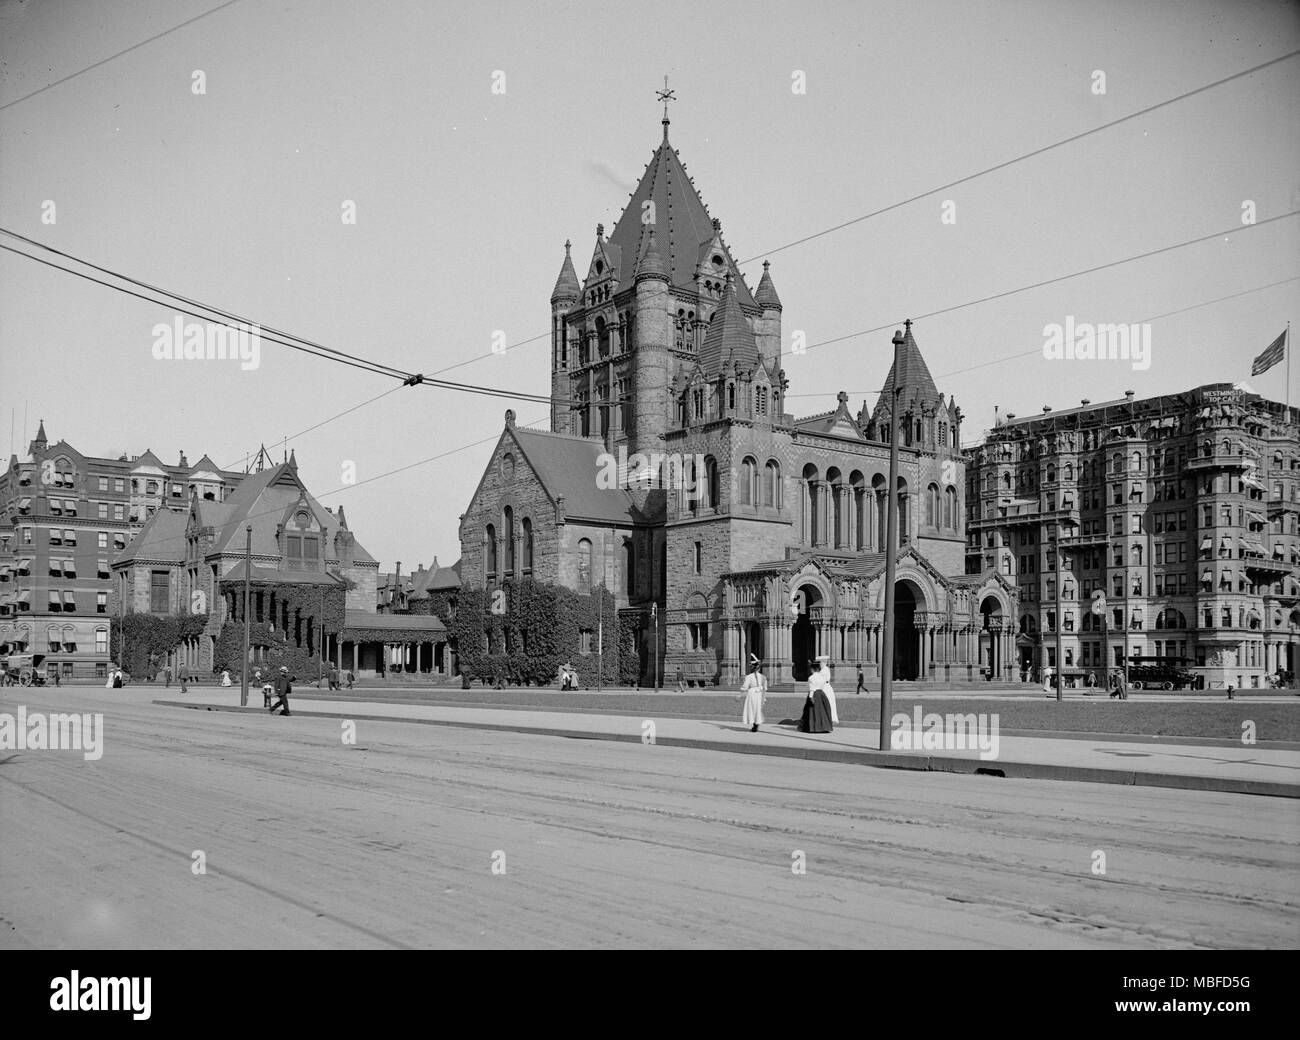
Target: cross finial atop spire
665,96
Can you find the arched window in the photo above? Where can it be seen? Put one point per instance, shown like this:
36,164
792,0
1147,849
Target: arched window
602,337
931,505
629,566
731,397
1137,556
1137,462
748,481
528,545
508,532
772,485
711,488
950,508
491,550
584,565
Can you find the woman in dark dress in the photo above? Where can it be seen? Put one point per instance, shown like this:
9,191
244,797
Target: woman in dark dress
816,710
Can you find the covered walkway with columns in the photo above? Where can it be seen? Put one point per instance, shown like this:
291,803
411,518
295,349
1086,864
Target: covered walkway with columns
389,645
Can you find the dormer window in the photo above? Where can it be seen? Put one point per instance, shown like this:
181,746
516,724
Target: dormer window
600,267
717,260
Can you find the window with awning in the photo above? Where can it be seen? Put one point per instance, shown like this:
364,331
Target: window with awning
1255,518
69,599
1278,549
24,505
24,567
55,604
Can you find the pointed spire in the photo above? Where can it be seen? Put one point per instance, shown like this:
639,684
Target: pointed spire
766,295
293,461
343,520
652,264
40,441
566,285
728,333
914,380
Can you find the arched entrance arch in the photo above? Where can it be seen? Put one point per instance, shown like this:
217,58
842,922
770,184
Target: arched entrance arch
803,633
908,599
992,650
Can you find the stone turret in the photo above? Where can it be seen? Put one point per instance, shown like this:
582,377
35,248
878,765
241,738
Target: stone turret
654,331
564,297
767,328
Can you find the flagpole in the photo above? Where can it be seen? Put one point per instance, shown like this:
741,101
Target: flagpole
1286,343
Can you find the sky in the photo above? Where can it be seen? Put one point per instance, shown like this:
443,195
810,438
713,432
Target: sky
473,139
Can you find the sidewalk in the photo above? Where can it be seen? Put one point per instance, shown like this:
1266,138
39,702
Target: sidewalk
1240,770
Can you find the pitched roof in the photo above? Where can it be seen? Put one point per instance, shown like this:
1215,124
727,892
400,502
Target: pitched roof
161,539
682,225
364,620
728,336
262,499
914,379
446,577
569,466
835,423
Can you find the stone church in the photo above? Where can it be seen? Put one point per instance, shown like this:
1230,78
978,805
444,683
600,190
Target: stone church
760,532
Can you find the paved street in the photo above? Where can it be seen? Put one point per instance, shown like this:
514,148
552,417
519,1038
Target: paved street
391,842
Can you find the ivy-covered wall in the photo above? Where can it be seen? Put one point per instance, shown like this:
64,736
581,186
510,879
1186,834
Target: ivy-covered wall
150,638
533,628
305,605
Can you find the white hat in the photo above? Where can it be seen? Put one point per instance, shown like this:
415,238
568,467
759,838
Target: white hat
823,658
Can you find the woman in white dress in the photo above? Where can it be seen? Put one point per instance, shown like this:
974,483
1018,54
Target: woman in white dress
821,680
755,689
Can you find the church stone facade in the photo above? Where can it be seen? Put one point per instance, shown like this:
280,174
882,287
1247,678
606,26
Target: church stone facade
735,527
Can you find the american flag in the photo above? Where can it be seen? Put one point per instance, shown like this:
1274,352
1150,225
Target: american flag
1271,355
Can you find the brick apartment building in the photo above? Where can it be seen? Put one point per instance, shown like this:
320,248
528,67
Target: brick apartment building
1180,510
64,518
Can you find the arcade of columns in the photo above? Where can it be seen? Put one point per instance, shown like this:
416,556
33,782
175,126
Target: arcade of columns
948,649
837,515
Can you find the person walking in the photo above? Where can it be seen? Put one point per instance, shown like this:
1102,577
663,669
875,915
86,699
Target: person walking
351,678
681,680
862,682
283,687
118,681
267,690
1048,674
167,676
754,689
334,677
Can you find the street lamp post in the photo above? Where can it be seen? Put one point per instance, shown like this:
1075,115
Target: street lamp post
891,549
1060,619
654,613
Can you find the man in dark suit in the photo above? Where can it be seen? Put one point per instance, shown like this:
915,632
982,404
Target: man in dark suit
283,687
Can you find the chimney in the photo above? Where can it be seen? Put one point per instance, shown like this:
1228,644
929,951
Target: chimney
1085,402
1128,395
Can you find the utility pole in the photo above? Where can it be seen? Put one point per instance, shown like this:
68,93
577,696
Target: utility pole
320,648
248,573
891,548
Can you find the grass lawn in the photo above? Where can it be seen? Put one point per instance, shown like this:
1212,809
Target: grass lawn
1220,719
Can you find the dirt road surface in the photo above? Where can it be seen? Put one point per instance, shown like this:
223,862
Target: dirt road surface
427,836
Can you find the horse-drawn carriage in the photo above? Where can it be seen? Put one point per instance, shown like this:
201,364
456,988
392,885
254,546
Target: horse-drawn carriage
23,670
